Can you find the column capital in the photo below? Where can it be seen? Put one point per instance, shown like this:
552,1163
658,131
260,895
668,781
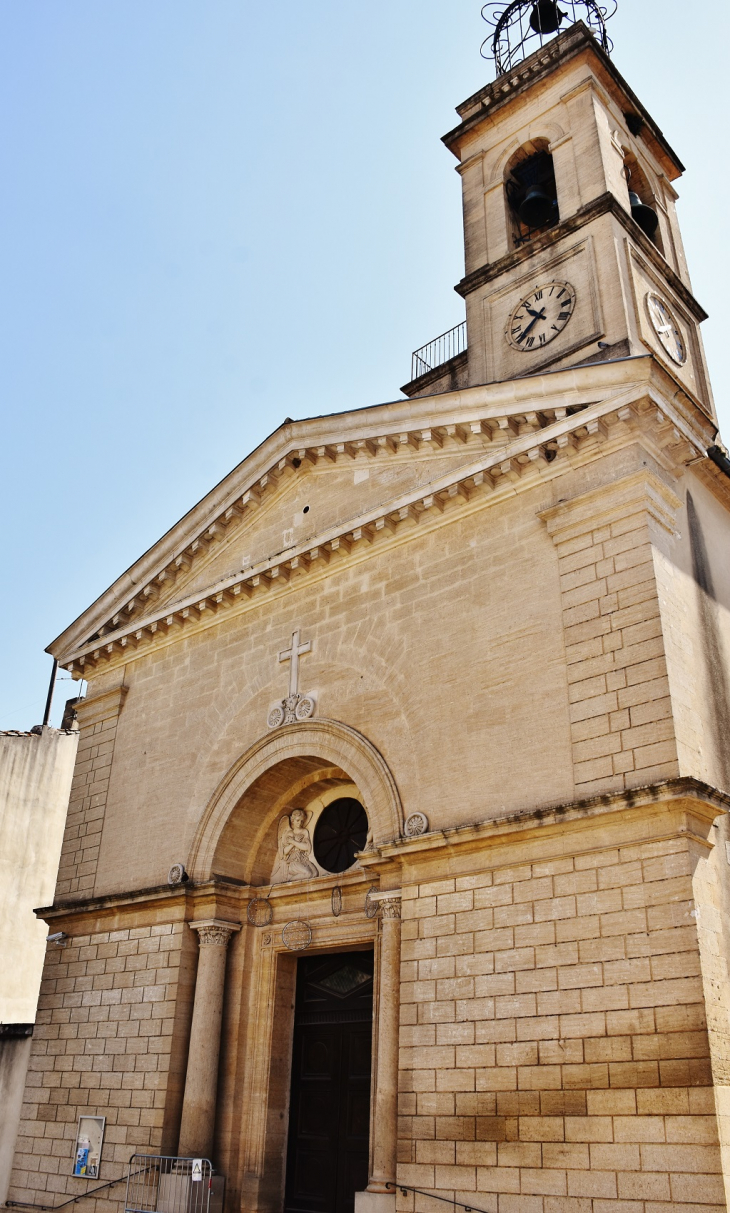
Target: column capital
389,901
214,931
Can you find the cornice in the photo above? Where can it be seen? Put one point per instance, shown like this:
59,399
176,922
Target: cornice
525,450
703,800
642,491
385,430
392,431
222,895
606,204
429,378
560,51
105,706
181,901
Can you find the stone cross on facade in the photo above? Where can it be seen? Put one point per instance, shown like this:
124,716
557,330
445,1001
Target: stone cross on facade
296,707
293,654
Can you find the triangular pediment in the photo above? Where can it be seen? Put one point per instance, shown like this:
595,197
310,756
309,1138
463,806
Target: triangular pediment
316,487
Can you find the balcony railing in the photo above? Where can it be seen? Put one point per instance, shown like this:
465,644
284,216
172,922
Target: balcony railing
439,351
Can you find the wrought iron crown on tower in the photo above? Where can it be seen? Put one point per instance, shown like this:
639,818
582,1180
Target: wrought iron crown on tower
524,25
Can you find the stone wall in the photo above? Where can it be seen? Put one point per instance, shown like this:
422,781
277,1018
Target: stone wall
554,1047
98,716
110,1040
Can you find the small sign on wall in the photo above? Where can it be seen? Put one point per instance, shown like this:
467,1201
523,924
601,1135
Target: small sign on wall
89,1140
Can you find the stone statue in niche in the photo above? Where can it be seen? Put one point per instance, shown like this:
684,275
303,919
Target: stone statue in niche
294,850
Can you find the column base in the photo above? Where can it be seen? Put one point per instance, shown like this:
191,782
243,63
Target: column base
375,1202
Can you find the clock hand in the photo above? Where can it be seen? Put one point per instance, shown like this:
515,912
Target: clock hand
538,316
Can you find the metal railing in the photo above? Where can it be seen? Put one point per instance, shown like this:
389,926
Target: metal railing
447,1200
72,1200
438,351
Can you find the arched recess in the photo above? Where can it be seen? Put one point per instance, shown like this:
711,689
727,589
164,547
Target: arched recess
277,767
530,171
547,134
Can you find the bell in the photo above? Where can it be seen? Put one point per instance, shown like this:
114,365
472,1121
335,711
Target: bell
647,219
537,208
546,17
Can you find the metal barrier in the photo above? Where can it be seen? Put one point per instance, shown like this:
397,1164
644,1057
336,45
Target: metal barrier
158,1183
438,351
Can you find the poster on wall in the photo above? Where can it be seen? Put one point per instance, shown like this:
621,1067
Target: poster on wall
89,1139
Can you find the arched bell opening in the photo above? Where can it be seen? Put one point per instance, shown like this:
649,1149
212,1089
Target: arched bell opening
642,199
531,192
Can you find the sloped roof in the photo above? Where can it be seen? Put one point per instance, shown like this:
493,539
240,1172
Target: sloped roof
525,423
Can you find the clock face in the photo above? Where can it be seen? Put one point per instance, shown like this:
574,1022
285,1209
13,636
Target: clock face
666,328
541,316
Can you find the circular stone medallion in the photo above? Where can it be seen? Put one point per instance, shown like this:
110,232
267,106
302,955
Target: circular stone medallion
177,874
305,708
416,824
297,935
337,901
371,906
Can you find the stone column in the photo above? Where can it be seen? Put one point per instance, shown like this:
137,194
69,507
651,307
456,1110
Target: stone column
385,1123
201,1080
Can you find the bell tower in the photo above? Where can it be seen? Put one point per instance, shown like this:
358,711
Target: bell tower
573,252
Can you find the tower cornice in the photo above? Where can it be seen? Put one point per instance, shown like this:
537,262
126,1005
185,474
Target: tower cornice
607,204
501,92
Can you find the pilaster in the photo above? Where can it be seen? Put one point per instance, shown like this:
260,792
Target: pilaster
622,728
98,716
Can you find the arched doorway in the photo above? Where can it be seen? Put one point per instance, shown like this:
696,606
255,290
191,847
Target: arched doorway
291,826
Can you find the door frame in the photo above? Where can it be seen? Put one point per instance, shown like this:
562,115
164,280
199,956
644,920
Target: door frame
264,1121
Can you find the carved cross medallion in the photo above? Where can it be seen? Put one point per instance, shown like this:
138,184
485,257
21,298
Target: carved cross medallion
295,707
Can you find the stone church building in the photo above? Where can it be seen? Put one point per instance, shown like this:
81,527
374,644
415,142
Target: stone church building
397,847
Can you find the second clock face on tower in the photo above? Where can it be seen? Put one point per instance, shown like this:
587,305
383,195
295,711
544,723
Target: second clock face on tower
541,316
666,327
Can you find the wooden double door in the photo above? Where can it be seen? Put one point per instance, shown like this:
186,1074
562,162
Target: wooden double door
329,1117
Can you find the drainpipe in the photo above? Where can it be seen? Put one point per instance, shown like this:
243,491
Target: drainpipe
49,700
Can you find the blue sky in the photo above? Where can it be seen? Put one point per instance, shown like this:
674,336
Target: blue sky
217,214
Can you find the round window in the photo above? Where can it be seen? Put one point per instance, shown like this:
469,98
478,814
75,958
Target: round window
340,833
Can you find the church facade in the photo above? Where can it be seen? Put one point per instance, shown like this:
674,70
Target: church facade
398,849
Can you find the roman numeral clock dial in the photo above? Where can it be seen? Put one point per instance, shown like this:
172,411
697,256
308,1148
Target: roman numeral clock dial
541,316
